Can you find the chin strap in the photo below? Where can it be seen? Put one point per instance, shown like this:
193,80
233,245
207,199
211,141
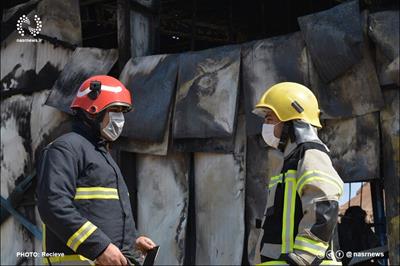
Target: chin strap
287,134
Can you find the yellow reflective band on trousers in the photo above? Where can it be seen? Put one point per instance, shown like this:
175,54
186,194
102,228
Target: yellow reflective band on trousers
81,235
289,205
316,248
310,176
67,260
282,262
96,193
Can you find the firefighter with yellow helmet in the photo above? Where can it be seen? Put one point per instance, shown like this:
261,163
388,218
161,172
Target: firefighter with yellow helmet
302,206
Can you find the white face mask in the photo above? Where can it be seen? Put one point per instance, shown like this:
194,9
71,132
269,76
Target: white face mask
268,135
114,127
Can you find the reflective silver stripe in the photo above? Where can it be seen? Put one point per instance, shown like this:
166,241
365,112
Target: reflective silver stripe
315,249
310,175
81,235
288,214
96,193
290,173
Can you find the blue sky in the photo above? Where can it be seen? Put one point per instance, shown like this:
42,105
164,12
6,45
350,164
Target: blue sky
354,188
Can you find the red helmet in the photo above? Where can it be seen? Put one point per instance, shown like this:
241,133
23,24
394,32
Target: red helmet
100,92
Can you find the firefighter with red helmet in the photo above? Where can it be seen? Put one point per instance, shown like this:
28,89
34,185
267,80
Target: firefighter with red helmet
82,197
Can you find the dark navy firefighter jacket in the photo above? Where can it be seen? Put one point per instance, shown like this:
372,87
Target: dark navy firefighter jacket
82,199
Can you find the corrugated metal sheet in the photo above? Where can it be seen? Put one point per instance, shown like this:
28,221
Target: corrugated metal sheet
152,82
163,203
267,62
333,38
46,122
34,66
18,64
10,17
97,62
220,196
16,161
355,146
63,23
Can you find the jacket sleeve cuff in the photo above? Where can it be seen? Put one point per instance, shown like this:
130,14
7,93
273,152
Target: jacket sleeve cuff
94,246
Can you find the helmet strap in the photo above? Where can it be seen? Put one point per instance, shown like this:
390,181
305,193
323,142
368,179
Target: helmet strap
287,134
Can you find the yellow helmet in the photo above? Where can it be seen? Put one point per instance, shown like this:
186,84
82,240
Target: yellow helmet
290,101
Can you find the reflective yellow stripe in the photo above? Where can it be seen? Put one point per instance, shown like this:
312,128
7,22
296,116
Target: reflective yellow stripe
96,196
96,193
274,184
330,262
78,189
81,235
43,237
317,175
292,211
313,242
66,258
288,213
84,237
273,262
275,180
276,177
310,250
291,173
311,246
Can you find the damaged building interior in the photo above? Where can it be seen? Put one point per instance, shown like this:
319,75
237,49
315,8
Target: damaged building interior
191,151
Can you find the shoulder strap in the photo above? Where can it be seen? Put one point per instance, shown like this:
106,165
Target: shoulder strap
298,154
312,145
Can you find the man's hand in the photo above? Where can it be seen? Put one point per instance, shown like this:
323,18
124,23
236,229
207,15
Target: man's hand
144,244
111,256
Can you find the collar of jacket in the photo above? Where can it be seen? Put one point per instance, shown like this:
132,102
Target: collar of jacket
86,131
290,147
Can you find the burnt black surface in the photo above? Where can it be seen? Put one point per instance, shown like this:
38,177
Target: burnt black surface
267,62
384,31
10,17
77,70
219,145
333,38
152,86
207,93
